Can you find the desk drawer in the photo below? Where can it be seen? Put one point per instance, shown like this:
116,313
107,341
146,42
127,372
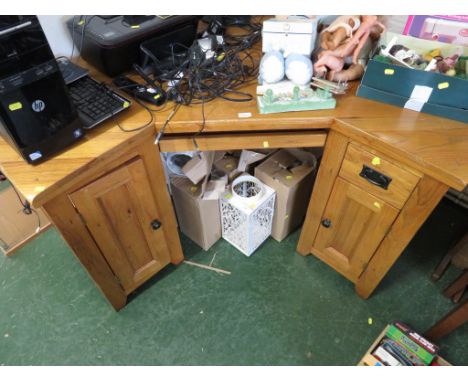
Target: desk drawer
378,175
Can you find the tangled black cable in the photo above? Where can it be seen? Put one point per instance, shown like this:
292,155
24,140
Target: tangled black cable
193,78
106,88
250,29
83,23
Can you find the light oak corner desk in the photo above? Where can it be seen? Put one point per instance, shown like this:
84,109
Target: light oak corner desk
383,171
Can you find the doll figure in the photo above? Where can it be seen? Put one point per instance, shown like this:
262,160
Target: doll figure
338,31
347,42
447,64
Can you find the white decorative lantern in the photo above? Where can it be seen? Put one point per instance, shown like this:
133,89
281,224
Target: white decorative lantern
247,213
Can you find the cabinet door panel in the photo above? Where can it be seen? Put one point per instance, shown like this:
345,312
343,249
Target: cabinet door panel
353,225
119,209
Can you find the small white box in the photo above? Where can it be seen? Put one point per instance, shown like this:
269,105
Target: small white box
247,213
293,35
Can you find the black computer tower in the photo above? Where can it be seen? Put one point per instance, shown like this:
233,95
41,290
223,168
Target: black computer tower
37,116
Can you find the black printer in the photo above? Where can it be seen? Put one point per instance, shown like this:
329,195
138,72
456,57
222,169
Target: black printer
111,43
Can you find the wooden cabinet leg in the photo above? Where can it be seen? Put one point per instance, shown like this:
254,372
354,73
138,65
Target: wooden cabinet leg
333,155
457,286
69,224
461,245
456,318
442,267
420,204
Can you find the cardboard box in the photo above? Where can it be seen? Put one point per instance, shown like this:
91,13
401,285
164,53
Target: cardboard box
291,174
370,360
249,157
414,89
226,164
198,218
17,228
199,166
214,188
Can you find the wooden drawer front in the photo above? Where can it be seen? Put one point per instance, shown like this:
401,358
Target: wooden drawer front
400,186
352,227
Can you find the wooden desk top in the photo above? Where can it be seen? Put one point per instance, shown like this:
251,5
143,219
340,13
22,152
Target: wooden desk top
434,145
223,116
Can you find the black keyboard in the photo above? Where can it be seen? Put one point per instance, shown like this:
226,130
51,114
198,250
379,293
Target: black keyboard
95,102
70,71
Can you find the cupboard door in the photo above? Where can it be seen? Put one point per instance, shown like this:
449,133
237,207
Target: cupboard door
352,227
121,214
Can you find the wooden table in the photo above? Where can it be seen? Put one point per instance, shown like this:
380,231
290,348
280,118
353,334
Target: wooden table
107,195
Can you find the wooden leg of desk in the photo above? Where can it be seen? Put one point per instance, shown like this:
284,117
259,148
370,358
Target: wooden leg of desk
458,285
459,247
69,224
335,148
449,323
420,204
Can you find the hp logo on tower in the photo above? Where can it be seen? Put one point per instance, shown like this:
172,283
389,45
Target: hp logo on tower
38,105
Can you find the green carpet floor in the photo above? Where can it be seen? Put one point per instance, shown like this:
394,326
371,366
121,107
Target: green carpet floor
276,308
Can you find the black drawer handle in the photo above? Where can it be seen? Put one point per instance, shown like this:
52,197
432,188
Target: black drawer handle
375,177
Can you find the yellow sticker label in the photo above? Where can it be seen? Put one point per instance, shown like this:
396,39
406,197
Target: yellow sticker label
220,57
377,205
15,106
157,96
389,72
228,166
375,161
135,26
194,188
126,104
266,144
81,22
370,320
289,177
443,85
228,196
